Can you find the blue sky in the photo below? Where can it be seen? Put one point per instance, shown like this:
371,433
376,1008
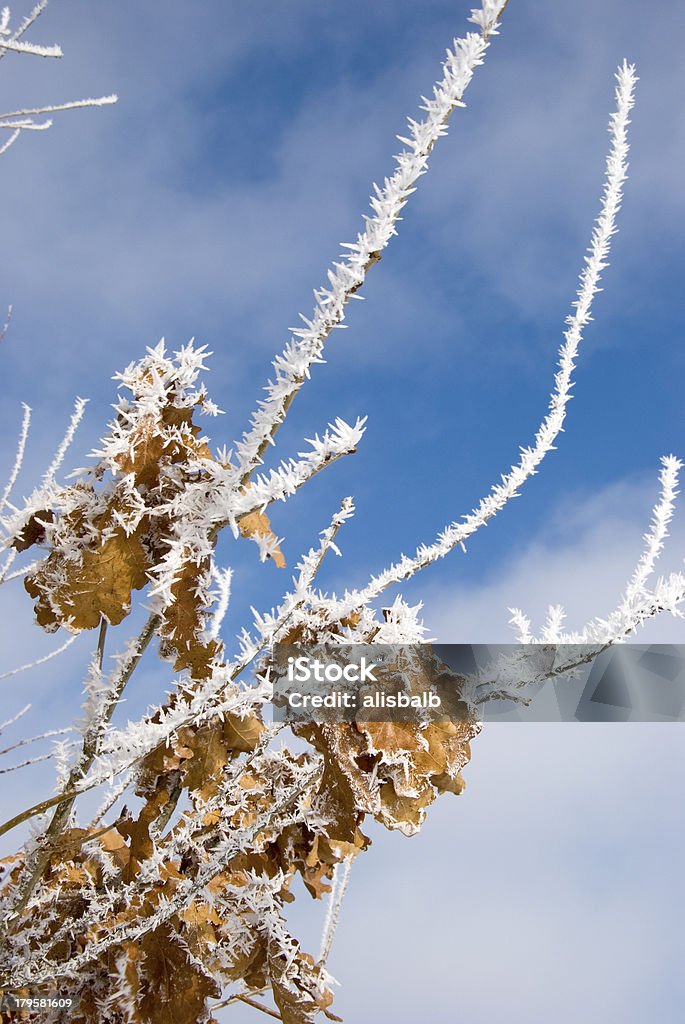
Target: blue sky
210,201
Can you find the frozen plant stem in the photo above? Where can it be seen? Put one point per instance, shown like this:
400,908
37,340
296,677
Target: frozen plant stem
306,345
595,262
38,862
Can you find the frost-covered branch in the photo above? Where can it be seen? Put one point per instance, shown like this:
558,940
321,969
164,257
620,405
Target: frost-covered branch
5,327
293,366
119,751
605,226
19,457
5,31
38,661
638,603
18,121
341,878
15,718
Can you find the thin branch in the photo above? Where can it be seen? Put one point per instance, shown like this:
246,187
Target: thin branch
52,108
234,999
8,319
306,344
3,148
334,907
35,739
110,800
19,714
4,578
636,605
25,126
77,415
26,23
29,761
662,514
223,579
65,800
31,48
100,653
19,457
605,226
258,1006
39,661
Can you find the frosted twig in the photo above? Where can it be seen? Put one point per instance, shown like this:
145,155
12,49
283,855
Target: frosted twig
79,409
552,630
552,425
52,108
223,578
31,48
310,563
30,18
19,714
521,624
335,902
3,149
637,603
19,457
662,514
39,661
4,578
110,799
25,126
25,764
293,366
35,739
8,318
65,800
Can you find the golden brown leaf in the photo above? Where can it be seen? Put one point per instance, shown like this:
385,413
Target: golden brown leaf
97,585
257,524
172,988
33,531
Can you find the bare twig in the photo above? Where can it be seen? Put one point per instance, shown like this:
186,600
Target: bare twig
259,1006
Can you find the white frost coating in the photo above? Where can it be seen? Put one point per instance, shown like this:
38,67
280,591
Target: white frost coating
292,367
11,140
223,579
658,532
31,48
77,416
26,23
38,661
15,718
19,457
552,425
335,902
637,603
34,739
11,42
